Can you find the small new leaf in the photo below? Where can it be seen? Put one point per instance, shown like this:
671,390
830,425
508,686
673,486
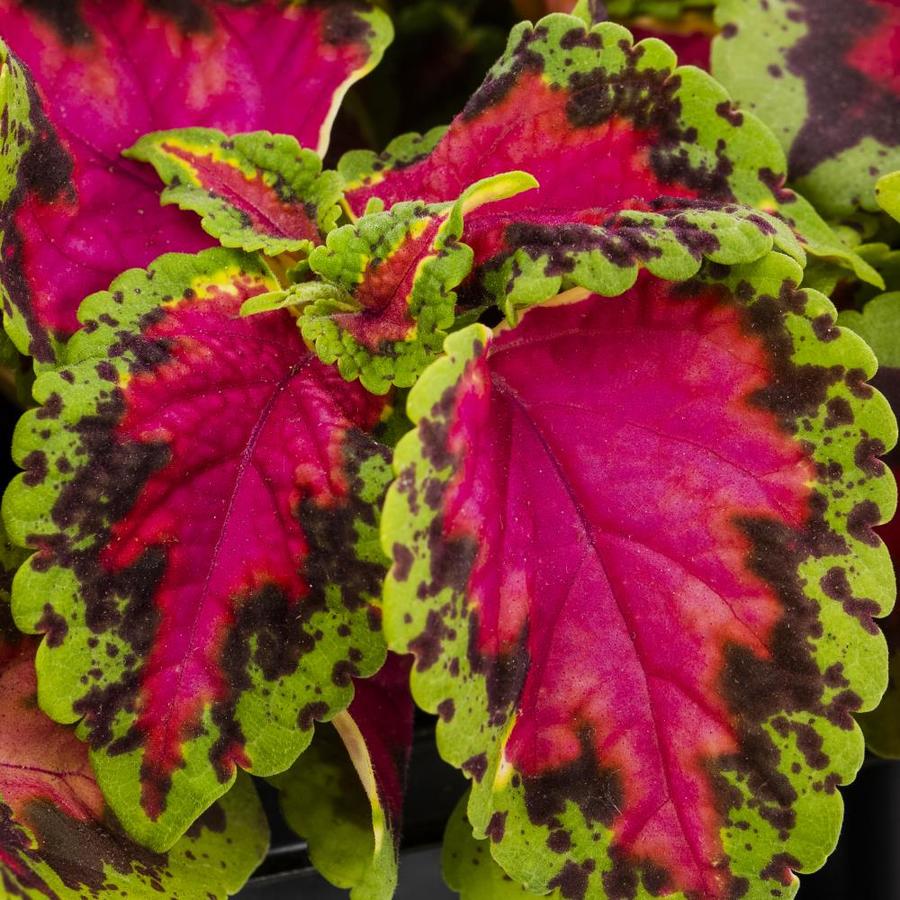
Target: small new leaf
393,276
255,191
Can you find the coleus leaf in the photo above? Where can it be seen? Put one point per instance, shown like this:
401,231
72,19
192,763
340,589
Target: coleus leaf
391,279
879,325
470,870
887,193
256,191
203,495
345,793
109,73
823,75
671,242
59,840
16,137
603,126
638,583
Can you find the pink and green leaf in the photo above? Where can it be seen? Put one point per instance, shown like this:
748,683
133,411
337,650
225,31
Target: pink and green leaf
254,191
106,74
391,278
604,125
59,840
345,793
202,495
879,325
671,240
824,76
634,558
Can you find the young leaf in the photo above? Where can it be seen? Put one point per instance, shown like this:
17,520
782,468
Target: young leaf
202,494
58,839
633,556
471,871
110,72
256,191
887,193
879,325
345,793
603,126
822,75
394,275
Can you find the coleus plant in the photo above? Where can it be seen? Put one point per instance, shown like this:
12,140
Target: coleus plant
620,528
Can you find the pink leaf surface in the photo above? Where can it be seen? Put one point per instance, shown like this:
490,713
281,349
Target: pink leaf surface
207,512
663,596
622,549
108,74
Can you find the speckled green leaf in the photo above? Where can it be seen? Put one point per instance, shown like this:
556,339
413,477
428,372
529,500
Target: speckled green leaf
562,516
58,840
879,324
25,125
822,75
390,280
470,870
16,135
255,191
887,193
202,494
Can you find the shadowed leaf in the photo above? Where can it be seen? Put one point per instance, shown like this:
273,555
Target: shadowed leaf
57,838
470,870
345,793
